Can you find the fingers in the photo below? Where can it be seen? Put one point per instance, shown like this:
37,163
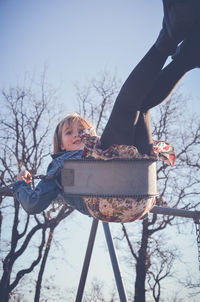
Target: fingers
25,175
28,177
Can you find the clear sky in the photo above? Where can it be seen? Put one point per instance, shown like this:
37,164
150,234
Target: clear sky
76,40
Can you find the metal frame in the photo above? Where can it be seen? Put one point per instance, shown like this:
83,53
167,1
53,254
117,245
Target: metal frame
195,215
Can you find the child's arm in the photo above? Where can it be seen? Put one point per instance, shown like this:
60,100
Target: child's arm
37,200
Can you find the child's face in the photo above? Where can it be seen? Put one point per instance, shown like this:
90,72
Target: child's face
70,137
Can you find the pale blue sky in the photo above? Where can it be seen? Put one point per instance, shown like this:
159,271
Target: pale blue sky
77,40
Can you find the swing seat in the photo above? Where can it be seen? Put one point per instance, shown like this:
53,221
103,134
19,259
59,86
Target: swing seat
110,178
117,190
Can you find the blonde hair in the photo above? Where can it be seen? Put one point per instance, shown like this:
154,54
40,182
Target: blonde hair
68,121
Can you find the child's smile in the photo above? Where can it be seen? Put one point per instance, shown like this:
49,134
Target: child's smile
70,138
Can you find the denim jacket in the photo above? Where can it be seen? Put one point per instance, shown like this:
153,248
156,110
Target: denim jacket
37,200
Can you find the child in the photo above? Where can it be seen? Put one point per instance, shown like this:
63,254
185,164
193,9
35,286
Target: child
67,144
129,123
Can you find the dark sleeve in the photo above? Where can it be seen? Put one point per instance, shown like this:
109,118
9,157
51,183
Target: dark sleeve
37,200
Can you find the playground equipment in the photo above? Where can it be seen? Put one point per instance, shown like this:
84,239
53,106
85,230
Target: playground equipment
108,191
111,179
195,215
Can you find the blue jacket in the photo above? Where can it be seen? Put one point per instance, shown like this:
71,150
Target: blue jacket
37,200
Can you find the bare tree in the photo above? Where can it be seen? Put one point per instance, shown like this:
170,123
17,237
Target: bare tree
95,293
96,99
25,124
24,139
193,284
178,187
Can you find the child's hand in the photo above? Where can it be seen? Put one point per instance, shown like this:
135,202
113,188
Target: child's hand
25,175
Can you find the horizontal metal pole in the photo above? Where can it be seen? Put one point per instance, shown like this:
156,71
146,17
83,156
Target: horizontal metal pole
176,212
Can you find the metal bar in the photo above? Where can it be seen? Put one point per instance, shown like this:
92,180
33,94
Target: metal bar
115,265
122,294
176,212
87,260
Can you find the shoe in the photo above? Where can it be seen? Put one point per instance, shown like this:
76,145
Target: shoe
189,50
179,18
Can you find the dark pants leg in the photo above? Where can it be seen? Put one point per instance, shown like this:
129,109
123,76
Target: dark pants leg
143,135
147,86
124,117
163,87
166,81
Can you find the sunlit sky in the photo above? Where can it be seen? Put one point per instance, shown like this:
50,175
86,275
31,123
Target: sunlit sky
77,40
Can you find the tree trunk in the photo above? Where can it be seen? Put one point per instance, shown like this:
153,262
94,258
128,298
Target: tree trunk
4,285
9,260
4,295
141,266
42,267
